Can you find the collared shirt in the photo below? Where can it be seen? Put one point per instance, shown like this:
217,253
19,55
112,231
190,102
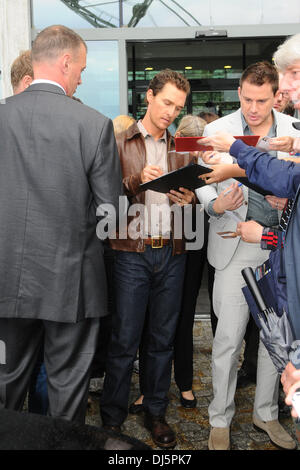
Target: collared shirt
157,203
258,207
51,82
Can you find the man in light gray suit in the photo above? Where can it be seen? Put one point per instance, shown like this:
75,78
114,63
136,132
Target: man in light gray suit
258,85
59,162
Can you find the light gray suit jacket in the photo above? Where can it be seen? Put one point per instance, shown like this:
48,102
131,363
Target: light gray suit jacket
220,251
58,161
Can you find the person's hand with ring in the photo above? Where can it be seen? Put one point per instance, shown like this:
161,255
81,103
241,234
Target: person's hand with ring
276,202
182,197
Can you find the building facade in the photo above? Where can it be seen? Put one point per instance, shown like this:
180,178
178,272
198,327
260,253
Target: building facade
210,41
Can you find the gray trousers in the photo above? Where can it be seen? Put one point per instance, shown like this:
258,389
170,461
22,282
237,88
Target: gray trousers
232,311
68,353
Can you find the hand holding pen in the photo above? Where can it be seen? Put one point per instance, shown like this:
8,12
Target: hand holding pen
211,157
231,189
230,199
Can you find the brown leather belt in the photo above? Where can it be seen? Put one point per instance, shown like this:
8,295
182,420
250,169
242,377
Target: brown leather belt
156,242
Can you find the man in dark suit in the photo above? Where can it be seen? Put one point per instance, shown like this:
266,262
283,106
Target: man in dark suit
59,161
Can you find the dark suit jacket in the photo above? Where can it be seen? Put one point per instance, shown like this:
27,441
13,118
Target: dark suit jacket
58,161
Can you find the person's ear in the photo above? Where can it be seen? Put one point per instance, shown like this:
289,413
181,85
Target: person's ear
65,62
27,79
239,92
150,96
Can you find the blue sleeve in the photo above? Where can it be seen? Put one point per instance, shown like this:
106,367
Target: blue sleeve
280,177
271,239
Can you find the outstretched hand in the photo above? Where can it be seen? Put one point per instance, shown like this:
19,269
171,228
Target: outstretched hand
222,172
221,141
250,232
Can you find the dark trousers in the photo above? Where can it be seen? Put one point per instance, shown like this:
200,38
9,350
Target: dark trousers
183,344
99,361
38,401
150,280
68,352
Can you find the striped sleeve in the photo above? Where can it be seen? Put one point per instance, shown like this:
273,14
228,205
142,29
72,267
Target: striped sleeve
271,239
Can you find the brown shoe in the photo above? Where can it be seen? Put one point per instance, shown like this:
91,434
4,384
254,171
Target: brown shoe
278,436
219,439
161,432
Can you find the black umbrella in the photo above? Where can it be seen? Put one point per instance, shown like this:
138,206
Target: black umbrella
275,331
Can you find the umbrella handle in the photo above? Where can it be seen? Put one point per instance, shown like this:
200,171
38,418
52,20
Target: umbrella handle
252,285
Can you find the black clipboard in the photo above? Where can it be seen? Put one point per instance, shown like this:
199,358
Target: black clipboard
253,186
185,177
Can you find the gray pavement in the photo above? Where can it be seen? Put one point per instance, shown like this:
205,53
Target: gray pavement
192,426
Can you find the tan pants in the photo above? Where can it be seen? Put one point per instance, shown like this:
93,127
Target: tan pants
232,311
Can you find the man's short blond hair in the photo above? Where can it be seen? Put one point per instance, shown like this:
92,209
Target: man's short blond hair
21,66
53,41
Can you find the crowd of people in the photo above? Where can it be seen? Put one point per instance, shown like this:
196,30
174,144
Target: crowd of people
76,304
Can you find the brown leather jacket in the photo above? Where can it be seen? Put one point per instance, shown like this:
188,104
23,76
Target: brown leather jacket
132,151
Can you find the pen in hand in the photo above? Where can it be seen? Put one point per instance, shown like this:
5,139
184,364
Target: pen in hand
229,190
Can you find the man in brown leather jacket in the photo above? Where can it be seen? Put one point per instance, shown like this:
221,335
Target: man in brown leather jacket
150,263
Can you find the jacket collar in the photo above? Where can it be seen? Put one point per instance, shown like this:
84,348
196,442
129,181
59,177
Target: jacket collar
133,131
48,87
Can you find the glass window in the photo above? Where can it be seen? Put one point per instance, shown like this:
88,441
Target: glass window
75,15
151,13
213,68
197,59
100,80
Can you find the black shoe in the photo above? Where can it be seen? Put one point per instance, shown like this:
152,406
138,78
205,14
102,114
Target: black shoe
112,427
162,434
244,379
188,403
135,408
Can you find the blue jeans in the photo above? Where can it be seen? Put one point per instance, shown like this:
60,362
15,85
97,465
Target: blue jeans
152,279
